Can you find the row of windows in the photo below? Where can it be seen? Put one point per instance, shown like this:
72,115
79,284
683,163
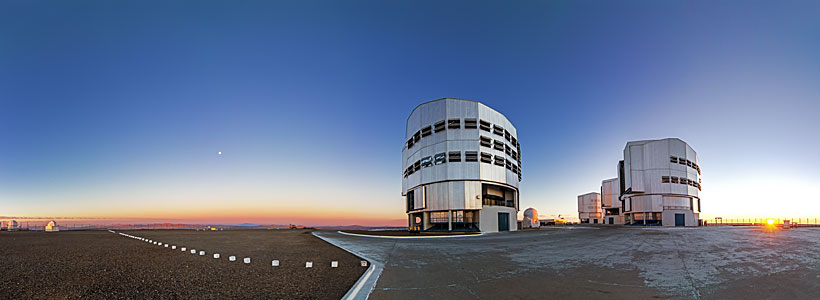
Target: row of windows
456,124
455,156
686,162
681,180
458,216
499,145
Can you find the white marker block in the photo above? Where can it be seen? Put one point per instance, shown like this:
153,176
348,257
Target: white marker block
201,253
216,255
174,247
334,264
232,258
364,263
275,263
309,264
193,251
183,249
150,241
247,260
166,245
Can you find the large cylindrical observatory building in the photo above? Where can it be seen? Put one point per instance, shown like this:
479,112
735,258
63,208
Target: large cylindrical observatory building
660,183
462,165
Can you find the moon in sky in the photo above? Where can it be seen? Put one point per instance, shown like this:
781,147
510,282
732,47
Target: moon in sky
220,152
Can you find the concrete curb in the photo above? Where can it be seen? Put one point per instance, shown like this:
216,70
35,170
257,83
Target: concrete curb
411,237
368,280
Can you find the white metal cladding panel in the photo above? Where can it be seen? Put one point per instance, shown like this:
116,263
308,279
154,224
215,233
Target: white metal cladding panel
464,169
462,109
492,172
418,197
589,203
612,189
627,172
655,155
472,195
677,188
490,115
676,202
636,167
647,203
652,180
438,196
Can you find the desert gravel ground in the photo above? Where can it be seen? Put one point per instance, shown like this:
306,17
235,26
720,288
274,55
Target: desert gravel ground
598,262
103,265
407,233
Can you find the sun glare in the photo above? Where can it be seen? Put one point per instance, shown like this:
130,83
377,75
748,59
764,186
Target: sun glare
770,221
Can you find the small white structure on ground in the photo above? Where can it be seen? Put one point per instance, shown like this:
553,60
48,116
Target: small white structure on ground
530,219
52,226
12,226
589,208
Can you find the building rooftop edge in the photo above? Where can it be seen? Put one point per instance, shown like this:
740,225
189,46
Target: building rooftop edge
449,98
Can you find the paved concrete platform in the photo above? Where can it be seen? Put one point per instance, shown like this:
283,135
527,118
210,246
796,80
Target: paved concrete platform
598,262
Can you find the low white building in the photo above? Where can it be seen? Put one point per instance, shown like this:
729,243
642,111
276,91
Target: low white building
589,208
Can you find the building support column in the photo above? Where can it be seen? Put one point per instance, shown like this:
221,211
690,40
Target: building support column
450,220
644,219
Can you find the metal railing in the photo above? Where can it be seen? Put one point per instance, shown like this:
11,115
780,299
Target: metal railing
794,222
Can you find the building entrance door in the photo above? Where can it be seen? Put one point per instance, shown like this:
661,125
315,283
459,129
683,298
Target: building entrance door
503,222
680,220
611,220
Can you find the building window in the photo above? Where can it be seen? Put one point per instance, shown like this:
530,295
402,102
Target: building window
417,136
690,164
514,141
499,160
499,145
454,124
514,155
470,124
507,135
440,158
439,217
498,130
470,155
664,179
417,166
507,150
410,143
484,125
486,142
486,157
508,164
674,179
438,127
455,156
682,161
673,159
426,162
426,131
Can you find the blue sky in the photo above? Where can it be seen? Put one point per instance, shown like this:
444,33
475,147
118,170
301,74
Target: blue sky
119,108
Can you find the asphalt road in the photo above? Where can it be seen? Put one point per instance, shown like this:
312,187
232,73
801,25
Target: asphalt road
598,262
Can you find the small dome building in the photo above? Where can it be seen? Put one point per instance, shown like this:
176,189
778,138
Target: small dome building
530,219
12,225
52,226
